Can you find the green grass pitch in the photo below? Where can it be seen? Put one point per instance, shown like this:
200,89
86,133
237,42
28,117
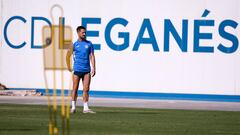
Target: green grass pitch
33,120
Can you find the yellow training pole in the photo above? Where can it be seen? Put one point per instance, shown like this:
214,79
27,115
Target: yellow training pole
50,124
61,39
55,129
68,106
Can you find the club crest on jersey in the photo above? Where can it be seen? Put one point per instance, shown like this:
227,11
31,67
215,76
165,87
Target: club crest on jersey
86,46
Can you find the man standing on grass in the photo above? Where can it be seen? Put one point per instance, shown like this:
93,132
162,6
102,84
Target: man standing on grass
83,53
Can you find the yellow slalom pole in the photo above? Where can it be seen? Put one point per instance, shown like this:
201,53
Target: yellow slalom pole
61,38
55,129
50,124
49,106
68,106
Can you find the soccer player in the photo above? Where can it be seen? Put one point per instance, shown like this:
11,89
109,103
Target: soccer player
83,53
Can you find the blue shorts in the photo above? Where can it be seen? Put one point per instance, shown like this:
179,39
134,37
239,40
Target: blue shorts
80,74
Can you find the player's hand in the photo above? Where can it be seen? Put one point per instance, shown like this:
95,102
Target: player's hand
93,72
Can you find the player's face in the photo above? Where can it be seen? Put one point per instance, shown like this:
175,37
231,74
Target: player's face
82,34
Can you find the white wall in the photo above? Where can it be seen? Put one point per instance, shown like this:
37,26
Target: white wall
143,70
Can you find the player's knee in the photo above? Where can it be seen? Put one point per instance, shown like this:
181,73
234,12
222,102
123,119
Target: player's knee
86,89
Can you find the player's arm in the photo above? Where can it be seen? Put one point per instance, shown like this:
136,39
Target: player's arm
68,58
93,62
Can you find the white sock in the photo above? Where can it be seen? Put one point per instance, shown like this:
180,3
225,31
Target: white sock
73,104
85,106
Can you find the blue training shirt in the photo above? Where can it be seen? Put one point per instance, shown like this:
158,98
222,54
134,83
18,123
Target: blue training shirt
81,52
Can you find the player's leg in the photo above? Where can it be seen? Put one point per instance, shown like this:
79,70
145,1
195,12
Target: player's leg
86,84
76,80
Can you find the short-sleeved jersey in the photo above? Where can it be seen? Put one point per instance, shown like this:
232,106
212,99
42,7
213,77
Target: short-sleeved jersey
81,53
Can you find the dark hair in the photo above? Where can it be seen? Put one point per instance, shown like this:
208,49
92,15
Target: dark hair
80,27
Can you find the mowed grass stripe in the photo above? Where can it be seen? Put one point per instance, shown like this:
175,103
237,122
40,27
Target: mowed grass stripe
33,119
